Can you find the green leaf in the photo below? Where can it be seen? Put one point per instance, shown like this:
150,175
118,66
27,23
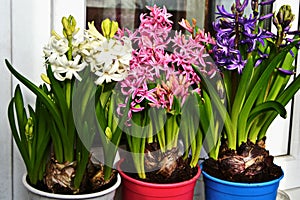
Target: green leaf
117,134
189,126
283,99
41,141
40,93
224,115
158,118
59,95
240,95
265,107
82,158
281,79
100,113
261,82
289,92
15,133
67,129
21,115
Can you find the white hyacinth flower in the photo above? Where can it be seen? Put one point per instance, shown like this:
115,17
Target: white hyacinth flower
93,32
66,69
55,54
112,61
108,58
55,48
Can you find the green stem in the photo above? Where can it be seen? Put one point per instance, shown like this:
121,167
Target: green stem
161,139
138,150
253,133
110,112
159,118
150,132
142,173
215,151
175,131
70,45
30,150
68,92
169,131
197,152
185,137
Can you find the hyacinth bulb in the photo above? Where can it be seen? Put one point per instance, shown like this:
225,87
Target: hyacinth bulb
59,177
152,156
169,163
165,163
249,160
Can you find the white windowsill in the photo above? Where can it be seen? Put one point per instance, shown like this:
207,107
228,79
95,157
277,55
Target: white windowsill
290,183
294,194
290,166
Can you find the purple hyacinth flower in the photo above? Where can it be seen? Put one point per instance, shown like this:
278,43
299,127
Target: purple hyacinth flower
285,71
268,2
292,53
223,13
267,16
240,8
229,39
237,63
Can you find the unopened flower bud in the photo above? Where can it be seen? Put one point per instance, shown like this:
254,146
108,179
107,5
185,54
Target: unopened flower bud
64,22
254,7
109,28
108,133
194,22
282,21
221,89
45,78
55,35
285,16
72,23
29,129
276,22
69,25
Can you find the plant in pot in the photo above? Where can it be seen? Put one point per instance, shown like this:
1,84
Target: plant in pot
162,130
257,69
74,104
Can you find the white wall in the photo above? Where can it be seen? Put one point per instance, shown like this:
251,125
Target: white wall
24,29
5,82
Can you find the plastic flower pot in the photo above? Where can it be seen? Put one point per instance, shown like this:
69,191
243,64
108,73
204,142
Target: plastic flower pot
133,189
35,194
225,190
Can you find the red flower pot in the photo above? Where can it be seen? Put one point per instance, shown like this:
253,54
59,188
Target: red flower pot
133,189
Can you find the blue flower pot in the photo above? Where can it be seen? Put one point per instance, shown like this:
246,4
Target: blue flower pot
217,189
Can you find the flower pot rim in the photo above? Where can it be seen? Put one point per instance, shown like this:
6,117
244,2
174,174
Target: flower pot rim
157,185
239,184
67,196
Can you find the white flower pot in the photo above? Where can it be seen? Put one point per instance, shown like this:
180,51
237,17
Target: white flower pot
34,194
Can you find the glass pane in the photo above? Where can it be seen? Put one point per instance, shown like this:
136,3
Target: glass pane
127,12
